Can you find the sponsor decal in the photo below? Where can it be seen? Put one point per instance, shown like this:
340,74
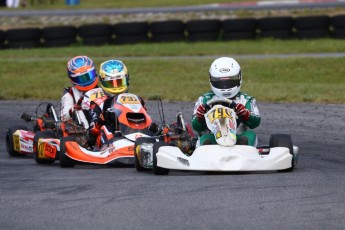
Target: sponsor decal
224,70
218,135
183,161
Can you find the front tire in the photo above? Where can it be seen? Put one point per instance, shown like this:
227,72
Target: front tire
65,161
9,139
137,144
42,135
156,169
283,140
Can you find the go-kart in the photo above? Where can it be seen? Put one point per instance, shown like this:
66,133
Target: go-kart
129,121
20,140
226,155
179,134
44,140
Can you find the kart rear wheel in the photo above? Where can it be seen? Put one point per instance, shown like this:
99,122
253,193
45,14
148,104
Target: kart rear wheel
9,139
137,144
156,169
65,161
283,140
42,135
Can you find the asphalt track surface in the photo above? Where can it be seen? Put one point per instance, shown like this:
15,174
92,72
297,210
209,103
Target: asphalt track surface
36,196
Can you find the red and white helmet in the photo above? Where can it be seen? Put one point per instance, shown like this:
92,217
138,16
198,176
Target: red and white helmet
225,77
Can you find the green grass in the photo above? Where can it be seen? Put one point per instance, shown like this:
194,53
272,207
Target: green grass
260,46
43,76
58,4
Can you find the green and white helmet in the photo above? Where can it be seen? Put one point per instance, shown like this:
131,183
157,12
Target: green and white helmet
225,77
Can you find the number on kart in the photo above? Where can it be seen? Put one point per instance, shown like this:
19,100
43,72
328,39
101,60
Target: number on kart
129,100
219,113
96,95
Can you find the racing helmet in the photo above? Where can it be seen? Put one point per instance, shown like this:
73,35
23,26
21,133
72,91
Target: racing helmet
82,73
225,77
114,77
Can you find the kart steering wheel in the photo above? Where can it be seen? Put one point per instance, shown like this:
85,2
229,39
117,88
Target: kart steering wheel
224,102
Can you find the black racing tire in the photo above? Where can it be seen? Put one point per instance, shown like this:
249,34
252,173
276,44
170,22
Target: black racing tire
167,27
239,25
312,22
65,161
203,25
205,36
95,30
278,34
168,37
59,42
131,39
96,41
156,169
338,21
242,35
167,31
21,35
137,143
339,33
9,139
23,44
283,140
313,33
275,23
2,38
59,33
131,28
39,135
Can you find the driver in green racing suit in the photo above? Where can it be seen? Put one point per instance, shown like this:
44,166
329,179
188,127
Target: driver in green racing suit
226,80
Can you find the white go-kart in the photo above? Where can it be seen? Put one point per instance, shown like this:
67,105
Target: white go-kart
226,156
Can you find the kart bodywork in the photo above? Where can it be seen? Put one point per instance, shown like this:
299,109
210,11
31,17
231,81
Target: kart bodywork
225,156
131,121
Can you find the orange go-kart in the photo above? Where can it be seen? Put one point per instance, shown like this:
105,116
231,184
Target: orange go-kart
126,120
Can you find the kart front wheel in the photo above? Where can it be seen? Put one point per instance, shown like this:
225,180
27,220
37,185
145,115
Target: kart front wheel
65,161
9,139
42,135
156,169
283,140
137,144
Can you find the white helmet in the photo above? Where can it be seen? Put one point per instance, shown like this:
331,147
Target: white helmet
225,77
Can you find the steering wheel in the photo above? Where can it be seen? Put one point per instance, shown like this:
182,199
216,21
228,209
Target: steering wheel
224,102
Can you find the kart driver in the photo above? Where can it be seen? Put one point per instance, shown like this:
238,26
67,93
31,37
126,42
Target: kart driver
226,80
114,80
82,73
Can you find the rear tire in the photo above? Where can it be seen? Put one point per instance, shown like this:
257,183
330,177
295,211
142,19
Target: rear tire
65,161
283,140
156,169
9,139
38,135
137,143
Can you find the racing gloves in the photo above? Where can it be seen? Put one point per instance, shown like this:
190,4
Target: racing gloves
200,112
242,112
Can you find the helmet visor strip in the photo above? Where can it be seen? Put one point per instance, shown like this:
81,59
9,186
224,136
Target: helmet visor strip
226,82
114,83
84,79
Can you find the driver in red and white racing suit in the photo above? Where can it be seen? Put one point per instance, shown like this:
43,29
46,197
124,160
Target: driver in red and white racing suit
82,73
226,80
